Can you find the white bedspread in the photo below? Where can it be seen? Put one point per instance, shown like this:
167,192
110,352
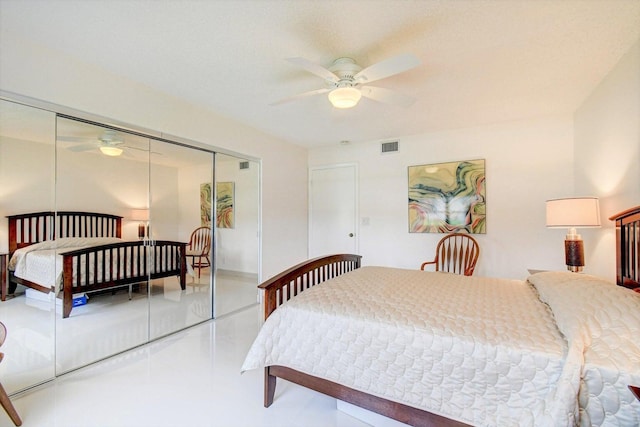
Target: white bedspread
480,350
605,319
41,263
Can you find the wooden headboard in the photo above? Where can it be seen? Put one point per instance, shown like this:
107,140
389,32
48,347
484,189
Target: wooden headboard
27,229
628,247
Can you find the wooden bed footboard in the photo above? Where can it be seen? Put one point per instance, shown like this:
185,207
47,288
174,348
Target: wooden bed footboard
398,411
119,264
296,279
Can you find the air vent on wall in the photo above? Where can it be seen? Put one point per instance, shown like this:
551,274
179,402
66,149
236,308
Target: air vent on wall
389,147
244,165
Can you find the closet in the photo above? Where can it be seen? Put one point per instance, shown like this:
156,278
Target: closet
162,189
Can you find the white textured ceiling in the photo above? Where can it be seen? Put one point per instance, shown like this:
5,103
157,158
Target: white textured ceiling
481,61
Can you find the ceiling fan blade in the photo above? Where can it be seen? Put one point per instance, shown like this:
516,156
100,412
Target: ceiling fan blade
314,68
83,147
386,68
301,95
74,139
387,96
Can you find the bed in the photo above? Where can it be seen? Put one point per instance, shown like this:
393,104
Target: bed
70,253
436,349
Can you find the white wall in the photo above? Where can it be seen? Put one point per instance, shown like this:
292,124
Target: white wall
607,155
31,70
527,162
28,179
596,152
92,182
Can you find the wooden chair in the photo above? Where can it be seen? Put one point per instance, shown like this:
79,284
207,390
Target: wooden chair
199,248
456,253
4,397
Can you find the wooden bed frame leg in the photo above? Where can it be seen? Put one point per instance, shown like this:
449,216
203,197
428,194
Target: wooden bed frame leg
67,305
67,300
269,388
67,287
183,268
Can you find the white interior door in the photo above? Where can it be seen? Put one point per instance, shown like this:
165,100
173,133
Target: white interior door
333,210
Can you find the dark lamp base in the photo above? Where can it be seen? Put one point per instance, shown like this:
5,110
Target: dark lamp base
574,255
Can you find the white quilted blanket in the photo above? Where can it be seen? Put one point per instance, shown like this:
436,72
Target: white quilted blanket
41,263
605,320
479,350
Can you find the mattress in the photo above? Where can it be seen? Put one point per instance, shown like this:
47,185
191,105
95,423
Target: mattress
482,351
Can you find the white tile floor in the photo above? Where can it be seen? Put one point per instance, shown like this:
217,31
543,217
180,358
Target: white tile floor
191,378
41,344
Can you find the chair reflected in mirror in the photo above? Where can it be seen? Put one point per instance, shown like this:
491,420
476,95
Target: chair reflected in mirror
456,253
4,397
199,248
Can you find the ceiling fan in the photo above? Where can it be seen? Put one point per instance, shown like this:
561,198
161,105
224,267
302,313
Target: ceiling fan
109,142
346,81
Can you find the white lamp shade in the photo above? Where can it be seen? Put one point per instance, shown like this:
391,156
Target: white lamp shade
140,214
577,212
344,97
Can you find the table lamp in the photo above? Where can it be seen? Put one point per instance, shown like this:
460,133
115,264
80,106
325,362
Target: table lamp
141,215
573,213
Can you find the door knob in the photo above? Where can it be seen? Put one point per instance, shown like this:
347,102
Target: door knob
350,234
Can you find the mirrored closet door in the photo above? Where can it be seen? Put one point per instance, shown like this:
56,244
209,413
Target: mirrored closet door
181,210
157,280
27,176
102,171
237,243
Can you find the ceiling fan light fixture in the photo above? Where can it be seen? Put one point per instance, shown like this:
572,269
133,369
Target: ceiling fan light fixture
344,97
111,151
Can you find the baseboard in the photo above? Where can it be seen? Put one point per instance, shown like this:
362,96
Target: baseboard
238,274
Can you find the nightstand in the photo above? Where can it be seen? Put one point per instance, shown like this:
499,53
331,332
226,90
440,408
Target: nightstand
3,276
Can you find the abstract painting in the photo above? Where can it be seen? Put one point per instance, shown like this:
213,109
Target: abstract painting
447,198
205,204
225,205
